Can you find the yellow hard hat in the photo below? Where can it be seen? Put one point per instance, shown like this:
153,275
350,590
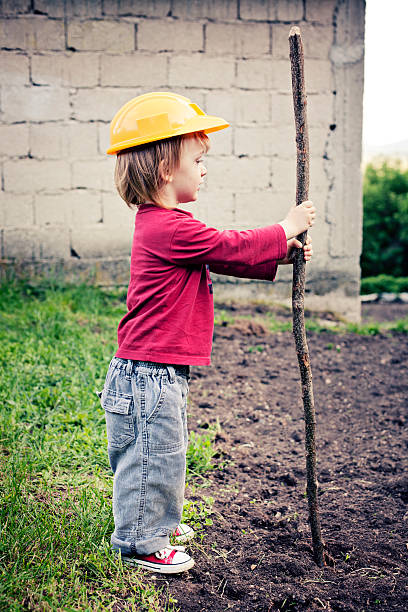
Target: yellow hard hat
155,116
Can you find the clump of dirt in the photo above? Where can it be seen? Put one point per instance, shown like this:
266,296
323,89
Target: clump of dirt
257,556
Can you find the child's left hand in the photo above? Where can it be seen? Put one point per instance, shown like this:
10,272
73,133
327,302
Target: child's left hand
294,244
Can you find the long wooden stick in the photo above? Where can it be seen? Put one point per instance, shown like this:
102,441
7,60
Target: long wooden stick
298,290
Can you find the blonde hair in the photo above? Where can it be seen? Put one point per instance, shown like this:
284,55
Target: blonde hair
140,172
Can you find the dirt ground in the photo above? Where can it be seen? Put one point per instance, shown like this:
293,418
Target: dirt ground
258,556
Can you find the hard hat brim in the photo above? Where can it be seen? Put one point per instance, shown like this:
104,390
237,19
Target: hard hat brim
206,124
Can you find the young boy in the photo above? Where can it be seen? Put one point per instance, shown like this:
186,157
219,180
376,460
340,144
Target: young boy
160,140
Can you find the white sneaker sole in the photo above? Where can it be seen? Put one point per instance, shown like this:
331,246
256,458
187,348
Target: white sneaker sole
160,568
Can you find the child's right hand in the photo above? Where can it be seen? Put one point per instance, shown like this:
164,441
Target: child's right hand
299,219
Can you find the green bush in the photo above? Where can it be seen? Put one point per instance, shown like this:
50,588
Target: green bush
384,283
385,221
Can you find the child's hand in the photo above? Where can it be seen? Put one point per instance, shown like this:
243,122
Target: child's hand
294,244
299,219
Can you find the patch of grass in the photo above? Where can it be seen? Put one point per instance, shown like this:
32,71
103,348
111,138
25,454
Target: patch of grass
198,514
55,479
201,451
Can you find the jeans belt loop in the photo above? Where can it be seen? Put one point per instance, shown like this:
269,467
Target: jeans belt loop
129,368
171,373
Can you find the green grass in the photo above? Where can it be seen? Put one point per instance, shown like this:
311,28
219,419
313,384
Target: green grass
55,480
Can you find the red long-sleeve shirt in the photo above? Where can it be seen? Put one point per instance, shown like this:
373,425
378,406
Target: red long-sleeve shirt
170,315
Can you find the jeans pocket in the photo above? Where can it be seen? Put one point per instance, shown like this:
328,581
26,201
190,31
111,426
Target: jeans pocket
119,418
165,423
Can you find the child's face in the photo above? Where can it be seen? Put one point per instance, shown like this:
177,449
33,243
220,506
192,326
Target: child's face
186,179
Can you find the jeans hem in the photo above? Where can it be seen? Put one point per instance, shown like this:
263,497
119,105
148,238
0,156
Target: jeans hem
143,547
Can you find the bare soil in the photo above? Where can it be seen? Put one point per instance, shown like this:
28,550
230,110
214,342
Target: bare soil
258,555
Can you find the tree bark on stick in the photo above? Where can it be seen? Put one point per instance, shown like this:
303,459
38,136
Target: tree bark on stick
298,290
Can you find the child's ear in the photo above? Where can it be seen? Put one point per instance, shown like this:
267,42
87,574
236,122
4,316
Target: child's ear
164,171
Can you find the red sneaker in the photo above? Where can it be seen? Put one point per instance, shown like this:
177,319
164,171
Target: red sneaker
169,560
183,534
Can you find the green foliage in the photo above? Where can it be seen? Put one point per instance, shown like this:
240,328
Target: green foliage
197,513
384,283
200,452
385,222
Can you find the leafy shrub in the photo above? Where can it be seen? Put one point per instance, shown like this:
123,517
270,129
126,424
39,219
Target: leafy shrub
385,222
384,283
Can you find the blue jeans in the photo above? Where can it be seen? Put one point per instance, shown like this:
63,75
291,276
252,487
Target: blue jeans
146,419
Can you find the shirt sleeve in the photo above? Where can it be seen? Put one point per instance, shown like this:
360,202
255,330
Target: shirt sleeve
260,272
195,243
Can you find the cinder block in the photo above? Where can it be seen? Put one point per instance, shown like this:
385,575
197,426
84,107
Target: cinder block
30,175
199,71
238,106
196,96
266,140
271,10
221,143
315,38
260,208
102,240
49,141
22,244
35,104
321,12
103,137
53,209
205,9
68,70
284,174
14,140
237,174
116,212
14,7
81,8
92,174
263,74
136,70
55,243
320,110
116,36
219,209
108,183
32,32
319,179
237,39
318,76
82,140
318,141
100,104
138,8
169,35
16,210
74,208
14,69
282,109
52,8
288,10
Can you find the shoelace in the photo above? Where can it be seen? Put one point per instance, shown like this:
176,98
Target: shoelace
165,552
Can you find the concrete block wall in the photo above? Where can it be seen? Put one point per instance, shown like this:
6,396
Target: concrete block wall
68,65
